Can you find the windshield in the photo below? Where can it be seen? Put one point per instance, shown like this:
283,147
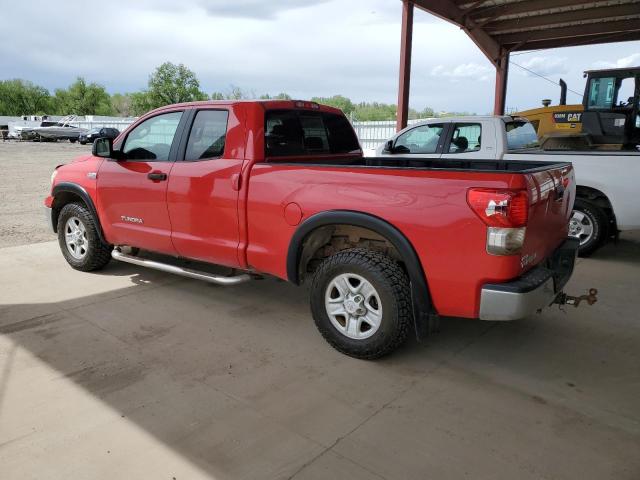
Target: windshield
521,135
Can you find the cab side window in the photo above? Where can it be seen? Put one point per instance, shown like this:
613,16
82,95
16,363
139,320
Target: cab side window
422,139
208,134
467,137
151,140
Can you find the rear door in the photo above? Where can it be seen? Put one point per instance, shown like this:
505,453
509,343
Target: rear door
132,191
202,197
468,140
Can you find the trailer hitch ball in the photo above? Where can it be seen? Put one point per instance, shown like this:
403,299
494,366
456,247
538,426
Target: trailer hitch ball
564,299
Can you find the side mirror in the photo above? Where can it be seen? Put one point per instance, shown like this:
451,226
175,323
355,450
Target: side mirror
388,146
103,147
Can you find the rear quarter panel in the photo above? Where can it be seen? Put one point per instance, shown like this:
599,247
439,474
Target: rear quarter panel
615,174
428,207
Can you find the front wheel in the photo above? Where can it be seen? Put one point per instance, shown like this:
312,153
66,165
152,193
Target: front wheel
79,239
589,224
361,303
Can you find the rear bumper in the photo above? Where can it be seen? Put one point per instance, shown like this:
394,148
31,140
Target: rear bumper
536,289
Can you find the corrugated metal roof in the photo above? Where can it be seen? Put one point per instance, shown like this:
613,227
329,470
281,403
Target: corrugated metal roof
513,25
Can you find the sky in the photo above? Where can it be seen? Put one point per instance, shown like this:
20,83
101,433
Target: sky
303,47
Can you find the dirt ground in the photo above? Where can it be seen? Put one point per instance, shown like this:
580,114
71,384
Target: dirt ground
24,183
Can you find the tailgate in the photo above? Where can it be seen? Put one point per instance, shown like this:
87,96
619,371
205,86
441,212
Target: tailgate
552,193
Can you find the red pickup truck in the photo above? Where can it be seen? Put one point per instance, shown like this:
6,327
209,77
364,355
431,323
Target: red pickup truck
281,188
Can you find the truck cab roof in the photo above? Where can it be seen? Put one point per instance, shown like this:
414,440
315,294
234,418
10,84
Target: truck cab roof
267,104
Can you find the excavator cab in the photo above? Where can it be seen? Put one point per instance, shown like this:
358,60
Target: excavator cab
612,107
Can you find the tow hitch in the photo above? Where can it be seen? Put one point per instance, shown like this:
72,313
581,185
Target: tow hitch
564,299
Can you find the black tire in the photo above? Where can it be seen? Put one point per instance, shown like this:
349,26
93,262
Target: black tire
97,254
82,142
392,286
73,140
600,222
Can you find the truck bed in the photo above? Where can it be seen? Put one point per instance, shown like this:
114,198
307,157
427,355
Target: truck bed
462,165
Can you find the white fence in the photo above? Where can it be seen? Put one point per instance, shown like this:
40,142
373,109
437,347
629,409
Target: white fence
371,134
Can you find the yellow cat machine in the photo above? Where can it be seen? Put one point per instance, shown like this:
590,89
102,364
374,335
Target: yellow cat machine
607,119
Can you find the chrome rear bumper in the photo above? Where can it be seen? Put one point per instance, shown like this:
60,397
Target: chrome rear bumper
536,289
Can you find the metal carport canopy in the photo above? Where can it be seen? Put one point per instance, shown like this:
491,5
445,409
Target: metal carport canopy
499,27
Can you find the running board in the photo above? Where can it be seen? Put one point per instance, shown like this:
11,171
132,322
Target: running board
185,272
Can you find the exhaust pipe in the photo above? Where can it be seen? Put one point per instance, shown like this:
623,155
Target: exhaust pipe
563,92
184,272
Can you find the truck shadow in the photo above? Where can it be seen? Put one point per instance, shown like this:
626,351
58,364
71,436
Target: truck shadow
624,249
185,360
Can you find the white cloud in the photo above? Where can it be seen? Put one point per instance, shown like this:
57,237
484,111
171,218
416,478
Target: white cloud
545,66
306,48
464,70
632,60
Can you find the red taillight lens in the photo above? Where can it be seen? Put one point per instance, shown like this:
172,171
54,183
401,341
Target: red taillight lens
500,208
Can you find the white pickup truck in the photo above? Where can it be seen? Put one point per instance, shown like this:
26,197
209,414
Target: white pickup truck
608,182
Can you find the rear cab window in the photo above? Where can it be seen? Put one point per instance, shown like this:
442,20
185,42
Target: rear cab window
521,135
300,132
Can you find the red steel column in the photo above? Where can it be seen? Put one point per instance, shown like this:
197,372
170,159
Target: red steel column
406,41
502,74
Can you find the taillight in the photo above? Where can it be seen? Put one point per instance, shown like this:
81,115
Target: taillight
505,212
500,208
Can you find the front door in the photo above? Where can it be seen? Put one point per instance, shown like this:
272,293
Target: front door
202,197
132,191
424,141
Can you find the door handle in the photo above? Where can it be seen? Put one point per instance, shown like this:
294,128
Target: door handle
157,176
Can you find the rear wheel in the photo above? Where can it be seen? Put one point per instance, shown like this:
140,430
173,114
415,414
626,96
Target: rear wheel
589,224
79,240
361,303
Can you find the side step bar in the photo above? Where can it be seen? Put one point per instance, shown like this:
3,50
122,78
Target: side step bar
185,272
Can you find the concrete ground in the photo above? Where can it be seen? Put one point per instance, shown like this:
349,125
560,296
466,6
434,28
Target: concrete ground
131,373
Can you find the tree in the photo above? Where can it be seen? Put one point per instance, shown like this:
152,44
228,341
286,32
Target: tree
427,112
338,101
122,104
367,112
280,96
169,84
140,103
82,98
21,97
236,93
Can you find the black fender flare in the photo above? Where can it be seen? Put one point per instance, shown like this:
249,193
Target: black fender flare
86,198
422,305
